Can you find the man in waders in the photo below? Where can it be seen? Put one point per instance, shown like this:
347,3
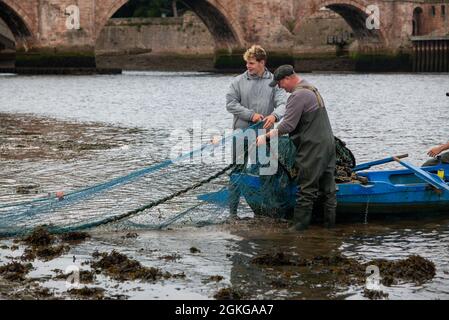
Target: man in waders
250,99
307,123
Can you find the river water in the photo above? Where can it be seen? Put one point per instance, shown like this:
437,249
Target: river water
65,133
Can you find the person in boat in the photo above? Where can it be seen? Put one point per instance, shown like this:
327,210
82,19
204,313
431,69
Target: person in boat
251,100
437,156
307,123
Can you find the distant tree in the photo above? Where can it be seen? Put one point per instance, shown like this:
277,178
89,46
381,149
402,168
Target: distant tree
150,8
174,8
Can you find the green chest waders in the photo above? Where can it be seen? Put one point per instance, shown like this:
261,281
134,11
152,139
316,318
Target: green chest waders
315,162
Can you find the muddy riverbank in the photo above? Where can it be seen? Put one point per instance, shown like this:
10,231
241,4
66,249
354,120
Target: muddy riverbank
249,259
30,137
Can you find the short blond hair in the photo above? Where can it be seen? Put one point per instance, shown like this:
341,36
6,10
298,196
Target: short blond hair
255,52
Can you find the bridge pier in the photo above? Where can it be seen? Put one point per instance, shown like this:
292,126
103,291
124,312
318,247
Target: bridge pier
431,54
359,61
7,53
232,60
52,61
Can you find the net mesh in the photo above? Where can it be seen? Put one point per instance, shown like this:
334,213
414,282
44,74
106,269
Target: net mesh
142,199
275,195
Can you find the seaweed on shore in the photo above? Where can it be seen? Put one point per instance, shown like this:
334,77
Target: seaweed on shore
349,271
15,271
119,267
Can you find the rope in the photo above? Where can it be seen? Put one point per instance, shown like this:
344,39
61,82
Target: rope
149,206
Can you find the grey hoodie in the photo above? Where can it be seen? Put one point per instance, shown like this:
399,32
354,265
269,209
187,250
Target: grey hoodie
250,94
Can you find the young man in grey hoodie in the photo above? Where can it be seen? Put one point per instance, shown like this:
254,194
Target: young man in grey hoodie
251,100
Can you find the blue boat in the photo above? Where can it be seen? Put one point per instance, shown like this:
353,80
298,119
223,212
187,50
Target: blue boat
387,193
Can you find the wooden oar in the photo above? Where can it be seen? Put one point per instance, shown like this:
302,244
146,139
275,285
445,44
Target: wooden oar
433,180
367,165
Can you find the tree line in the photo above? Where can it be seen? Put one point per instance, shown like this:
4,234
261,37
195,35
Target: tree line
151,8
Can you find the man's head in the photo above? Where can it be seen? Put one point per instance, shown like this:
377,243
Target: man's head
256,59
285,77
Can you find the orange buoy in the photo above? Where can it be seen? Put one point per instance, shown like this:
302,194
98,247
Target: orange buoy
60,195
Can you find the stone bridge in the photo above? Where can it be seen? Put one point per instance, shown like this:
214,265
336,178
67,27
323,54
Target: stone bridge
63,33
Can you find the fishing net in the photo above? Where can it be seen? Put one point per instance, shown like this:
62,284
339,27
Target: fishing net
164,193
151,196
275,195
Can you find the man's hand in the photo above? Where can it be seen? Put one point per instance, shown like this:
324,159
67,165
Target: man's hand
435,151
257,118
216,140
269,122
261,140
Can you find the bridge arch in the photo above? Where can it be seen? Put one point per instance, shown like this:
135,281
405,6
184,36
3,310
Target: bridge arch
18,22
417,22
354,13
223,28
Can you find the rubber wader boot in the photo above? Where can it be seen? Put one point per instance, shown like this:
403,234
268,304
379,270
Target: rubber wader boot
329,218
302,218
233,209
330,209
234,195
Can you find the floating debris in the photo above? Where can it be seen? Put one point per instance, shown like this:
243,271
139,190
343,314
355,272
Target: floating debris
86,292
349,271
276,259
74,237
181,275
28,255
85,277
28,189
119,267
82,146
130,235
51,252
414,268
375,294
15,271
216,278
40,245
39,237
172,257
195,250
228,294
279,283
31,293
